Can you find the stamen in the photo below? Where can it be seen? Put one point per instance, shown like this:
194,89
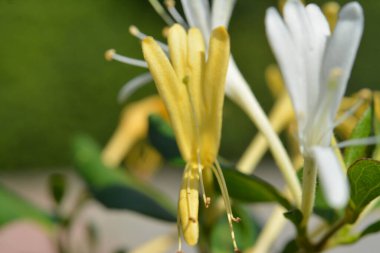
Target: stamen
348,113
170,5
223,187
179,234
206,200
132,85
161,11
133,30
165,31
373,140
112,55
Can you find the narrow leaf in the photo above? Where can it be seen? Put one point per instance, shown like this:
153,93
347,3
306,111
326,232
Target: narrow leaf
14,207
252,189
118,190
161,136
295,216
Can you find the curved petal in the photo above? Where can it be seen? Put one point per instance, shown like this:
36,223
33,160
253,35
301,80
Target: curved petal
306,39
213,92
198,15
174,94
284,49
132,85
221,12
340,54
333,181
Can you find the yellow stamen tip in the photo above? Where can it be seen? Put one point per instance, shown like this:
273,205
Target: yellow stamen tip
170,3
165,31
134,30
108,55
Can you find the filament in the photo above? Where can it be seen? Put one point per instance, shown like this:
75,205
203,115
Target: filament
348,113
132,85
223,187
206,200
170,5
360,142
140,35
161,11
112,55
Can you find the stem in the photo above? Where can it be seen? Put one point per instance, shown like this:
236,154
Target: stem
279,117
270,232
241,94
335,228
309,181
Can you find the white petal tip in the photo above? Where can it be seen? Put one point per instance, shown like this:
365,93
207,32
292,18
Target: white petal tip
351,11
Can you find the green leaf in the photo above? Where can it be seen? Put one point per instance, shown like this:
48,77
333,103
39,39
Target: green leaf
14,207
354,238
245,232
57,186
116,189
162,137
364,177
362,129
252,189
290,247
295,216
371,229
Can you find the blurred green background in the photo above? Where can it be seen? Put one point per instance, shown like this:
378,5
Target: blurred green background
54,81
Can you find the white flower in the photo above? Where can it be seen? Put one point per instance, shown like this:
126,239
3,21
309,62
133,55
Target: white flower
316,66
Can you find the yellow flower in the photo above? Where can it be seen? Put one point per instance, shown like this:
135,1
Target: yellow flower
193,92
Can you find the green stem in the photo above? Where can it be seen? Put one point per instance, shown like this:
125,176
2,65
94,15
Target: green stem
335,228
309,181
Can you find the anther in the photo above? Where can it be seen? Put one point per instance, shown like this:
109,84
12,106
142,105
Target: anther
236,219
112,55
134,30
237,251
207,201
170,3
165,31
108,55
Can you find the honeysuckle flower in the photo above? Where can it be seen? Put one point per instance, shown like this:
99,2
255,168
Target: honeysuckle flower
132,129
192,89
201,15
316,65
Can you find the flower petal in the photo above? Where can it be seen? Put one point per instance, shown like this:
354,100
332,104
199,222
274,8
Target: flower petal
333,181
284,49
340,54
174,94
132,85
196,65
213,92
177,42
198,15
221,12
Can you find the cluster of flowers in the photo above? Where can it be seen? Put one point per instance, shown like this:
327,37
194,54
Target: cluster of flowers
194,71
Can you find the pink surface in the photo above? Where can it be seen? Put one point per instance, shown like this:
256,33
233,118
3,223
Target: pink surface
24,237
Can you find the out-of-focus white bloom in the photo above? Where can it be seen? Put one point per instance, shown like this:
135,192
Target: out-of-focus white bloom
316,65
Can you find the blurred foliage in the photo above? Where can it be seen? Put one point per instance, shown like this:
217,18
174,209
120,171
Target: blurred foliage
54,80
